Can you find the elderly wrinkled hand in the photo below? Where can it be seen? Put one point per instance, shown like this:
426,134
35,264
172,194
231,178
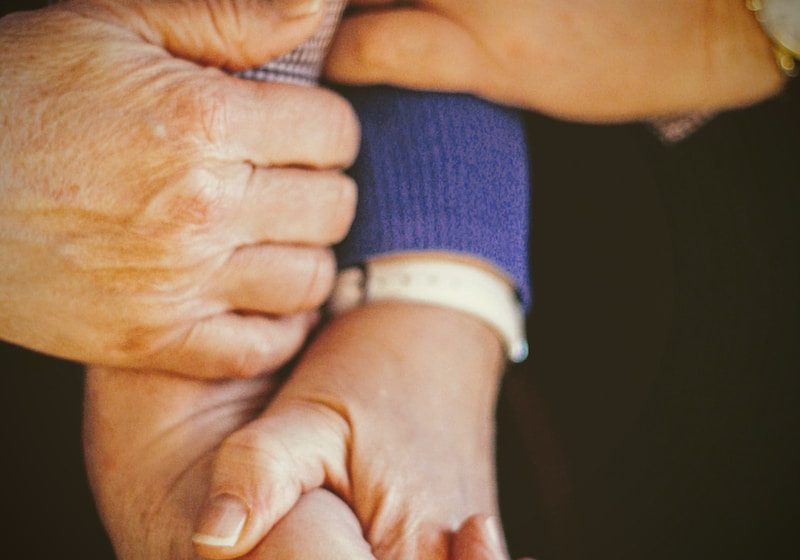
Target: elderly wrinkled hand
157,211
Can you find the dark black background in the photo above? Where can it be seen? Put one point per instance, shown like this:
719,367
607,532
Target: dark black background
656,416
659,405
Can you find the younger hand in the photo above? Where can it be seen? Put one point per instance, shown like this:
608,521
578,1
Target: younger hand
392,408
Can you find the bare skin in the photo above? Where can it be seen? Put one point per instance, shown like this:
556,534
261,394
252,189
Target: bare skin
585,60
411,464
149,441
156,212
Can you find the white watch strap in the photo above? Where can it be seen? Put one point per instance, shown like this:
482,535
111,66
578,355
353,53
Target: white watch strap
455,285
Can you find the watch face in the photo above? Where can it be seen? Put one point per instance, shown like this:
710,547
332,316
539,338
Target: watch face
781,19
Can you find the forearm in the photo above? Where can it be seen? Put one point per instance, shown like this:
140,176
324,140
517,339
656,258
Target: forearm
586,60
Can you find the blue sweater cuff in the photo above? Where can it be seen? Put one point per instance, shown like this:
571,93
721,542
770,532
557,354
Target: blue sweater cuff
440,172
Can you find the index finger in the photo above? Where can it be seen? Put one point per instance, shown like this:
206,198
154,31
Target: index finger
280,125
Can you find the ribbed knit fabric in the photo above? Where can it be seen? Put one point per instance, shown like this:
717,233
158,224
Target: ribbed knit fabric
440,172
436,171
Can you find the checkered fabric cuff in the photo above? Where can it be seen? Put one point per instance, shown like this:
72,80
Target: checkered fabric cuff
303,65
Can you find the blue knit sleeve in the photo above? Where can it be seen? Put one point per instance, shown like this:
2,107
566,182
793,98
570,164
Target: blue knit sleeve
440,172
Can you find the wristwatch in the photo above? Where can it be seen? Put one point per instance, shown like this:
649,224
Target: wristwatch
780,19
463,287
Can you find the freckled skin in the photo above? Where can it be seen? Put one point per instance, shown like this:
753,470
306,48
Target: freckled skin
132,178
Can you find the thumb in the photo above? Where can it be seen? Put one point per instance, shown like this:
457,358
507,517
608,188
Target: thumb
406,47
261,471
231,34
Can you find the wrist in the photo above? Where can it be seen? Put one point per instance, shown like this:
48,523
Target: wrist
445,256
416,345
443,280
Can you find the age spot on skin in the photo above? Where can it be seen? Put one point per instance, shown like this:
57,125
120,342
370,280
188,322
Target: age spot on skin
160,131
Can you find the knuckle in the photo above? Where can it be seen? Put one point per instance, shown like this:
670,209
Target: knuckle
136,340
239,458
212,113
140,342
195,112
329,414
199,202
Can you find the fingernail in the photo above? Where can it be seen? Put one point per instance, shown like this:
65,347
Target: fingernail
221,522
299,8
496,537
